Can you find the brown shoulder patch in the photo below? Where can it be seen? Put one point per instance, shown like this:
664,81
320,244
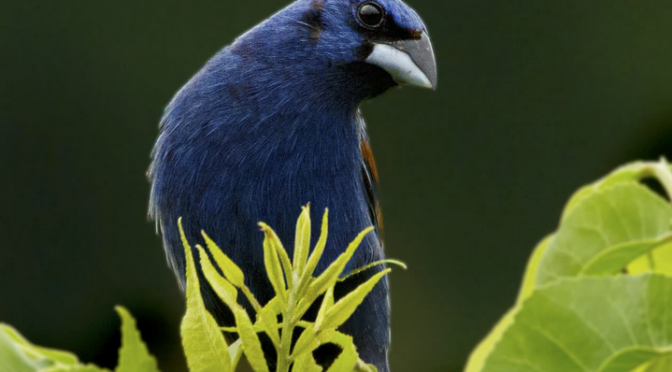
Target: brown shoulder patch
367,155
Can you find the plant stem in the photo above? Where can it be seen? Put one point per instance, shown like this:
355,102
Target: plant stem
286,337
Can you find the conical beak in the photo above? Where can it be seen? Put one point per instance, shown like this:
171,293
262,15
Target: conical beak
410,62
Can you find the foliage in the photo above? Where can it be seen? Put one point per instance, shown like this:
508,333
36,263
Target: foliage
597,294
204,344
18,355
296,290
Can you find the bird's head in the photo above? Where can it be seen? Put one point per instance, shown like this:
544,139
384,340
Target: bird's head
363,46
386,34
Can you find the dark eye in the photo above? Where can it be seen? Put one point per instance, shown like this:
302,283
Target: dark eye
371,14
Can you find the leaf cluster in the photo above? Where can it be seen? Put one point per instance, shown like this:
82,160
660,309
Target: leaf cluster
597,293
296,287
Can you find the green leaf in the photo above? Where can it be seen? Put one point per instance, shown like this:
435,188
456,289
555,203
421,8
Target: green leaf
236,352
75,368
347,360
306,363
302,241
620,214
222,287
613,260
268,320
630,173
315,256
133,355
251,344
330,276
658,261
307,342
589,325
343,309
231,271
272,262
12,358
38,352
327,303
203,342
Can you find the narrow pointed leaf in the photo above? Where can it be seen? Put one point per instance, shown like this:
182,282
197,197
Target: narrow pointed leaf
222,287
236,352
306,363
307,275
231,271
302,240
330,276
343,309
347,360
272,263
133,355
251,343
327,303
203,342
268,321
307,342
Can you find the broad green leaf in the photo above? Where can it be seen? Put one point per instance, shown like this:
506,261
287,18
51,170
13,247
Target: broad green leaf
330,276
203,342
620,214
133,355
636,358
251,344
222,287
658,261
630,173
38,352
588,325
272,263
75,368
613,260
531,271
485,347
315,256
342,310
302,241
347,360
13,359
231,271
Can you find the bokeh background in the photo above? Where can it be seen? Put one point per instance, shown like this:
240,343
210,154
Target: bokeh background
536,98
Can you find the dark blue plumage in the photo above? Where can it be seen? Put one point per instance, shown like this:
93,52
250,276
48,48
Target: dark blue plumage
271,123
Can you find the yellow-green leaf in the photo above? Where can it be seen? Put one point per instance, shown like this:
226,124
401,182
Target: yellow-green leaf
330,276
203,342
302,240
315,257
307,342
306,363
222,287
133,355
231,271
343,309
251,343
268,320
38,352
347,360
272,263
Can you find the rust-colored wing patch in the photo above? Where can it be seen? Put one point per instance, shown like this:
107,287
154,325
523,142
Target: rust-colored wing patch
371,180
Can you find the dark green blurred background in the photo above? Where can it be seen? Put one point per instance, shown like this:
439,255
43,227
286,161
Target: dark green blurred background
536,98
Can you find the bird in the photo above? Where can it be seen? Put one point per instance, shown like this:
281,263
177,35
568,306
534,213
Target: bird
271,123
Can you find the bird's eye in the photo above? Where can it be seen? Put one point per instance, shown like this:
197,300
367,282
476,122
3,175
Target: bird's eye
371,14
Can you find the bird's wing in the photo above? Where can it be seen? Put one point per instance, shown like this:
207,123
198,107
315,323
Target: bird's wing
370,175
